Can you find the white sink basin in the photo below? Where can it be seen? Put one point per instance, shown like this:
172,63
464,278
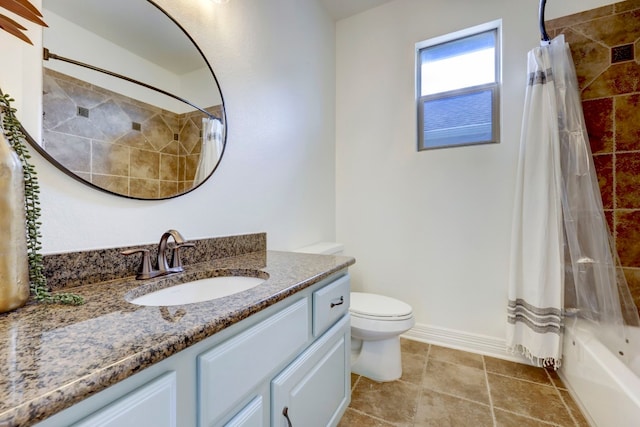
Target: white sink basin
198,291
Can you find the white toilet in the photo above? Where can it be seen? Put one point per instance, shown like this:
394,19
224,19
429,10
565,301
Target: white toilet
376,324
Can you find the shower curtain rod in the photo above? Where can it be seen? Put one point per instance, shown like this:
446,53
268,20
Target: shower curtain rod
543,31
49,55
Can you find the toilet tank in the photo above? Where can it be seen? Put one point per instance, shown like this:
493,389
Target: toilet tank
323,248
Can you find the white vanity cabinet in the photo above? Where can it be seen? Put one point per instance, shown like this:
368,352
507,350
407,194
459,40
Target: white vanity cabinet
232,373
296,359
294,354
251,416
153,404
313,391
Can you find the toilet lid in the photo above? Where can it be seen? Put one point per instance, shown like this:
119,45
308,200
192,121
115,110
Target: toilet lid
378,305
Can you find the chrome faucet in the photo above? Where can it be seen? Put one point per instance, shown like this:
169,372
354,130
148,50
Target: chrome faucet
146,271
176,263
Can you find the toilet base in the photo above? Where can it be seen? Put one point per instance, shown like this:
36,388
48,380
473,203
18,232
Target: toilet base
378,360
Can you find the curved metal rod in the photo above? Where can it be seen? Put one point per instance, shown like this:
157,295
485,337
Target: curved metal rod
543,31
49,55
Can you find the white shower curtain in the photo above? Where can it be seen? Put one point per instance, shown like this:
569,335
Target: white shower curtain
563,264
536,275
211,150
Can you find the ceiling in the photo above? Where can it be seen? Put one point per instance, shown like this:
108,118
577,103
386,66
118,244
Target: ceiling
340,9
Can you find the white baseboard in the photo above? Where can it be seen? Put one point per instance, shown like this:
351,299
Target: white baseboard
465,341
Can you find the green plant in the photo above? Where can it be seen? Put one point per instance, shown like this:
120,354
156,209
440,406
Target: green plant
15,136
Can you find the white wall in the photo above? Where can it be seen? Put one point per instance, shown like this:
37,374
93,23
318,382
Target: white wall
72,41
275,62
75,42
431,228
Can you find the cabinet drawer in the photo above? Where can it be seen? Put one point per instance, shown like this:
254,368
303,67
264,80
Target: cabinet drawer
229,372
152,405
330,304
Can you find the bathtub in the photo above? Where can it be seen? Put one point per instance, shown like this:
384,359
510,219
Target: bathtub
601,377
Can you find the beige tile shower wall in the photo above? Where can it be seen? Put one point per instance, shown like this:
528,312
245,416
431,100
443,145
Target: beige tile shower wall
141,151
605,44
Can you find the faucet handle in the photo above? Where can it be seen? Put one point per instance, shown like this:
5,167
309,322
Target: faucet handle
176,262
145,271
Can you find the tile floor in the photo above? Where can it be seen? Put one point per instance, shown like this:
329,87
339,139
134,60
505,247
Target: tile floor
444,387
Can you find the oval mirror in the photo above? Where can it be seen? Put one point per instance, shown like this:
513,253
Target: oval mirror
130,104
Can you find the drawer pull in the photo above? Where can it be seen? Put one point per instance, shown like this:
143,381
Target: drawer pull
340,302
285,412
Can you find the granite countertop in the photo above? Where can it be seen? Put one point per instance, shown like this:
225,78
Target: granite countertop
54,355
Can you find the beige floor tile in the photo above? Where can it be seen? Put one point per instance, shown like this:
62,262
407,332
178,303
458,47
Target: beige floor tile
353,418
507,419
530,399
456,356
445,387
354,380
440,410
458,380
555,379
394,401
517,370
413,367
412,346
575,410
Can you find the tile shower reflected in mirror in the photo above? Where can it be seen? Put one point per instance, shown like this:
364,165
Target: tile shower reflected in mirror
130,104
118,143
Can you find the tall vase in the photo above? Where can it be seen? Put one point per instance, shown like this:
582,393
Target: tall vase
14,266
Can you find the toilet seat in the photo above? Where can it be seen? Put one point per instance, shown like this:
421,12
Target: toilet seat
378,307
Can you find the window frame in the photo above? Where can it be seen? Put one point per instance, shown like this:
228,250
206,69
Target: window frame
494,87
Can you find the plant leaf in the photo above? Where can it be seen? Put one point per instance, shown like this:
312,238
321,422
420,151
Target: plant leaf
29,6
10,126
7,25
6,19
18,7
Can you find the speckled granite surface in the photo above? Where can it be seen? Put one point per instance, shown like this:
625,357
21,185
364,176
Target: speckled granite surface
55,356
71,269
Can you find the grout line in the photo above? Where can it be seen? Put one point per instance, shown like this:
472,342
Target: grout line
421,385
550,384
466,399
614,179
353,386
439,391
537,420
486,379
569,411
449,362
492,408
370,416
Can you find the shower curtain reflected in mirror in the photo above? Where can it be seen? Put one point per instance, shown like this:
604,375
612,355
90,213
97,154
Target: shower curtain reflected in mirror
211,150
563,263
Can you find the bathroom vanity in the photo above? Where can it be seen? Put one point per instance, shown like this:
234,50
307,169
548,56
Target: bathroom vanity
279,350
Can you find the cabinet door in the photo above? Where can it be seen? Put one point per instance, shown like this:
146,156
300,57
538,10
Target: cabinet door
315,389
250,416
152,405
230,372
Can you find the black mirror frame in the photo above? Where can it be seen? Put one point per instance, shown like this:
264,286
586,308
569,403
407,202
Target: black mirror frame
62,168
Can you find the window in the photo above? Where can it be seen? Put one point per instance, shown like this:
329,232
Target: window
458,77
